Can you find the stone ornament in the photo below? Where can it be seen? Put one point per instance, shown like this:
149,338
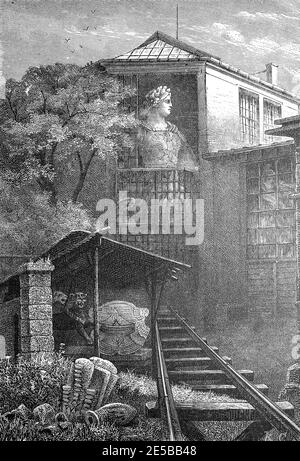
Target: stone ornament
123,330
120,414
44,414
21,412
89,385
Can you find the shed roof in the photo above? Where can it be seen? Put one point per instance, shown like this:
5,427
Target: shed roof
119,263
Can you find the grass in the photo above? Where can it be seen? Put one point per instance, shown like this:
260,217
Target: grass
143,389
264,347
33,383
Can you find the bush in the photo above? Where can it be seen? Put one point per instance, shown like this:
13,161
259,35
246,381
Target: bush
19,430
32,383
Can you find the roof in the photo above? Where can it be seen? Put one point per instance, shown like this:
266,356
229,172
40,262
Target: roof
163,47
120,263
160,47
284,146
288,126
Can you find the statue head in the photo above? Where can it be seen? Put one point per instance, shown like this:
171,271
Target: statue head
158,100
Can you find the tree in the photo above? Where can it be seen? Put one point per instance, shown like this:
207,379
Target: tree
30,223
60,117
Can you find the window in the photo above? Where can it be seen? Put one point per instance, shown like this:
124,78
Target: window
249,117
271,227
272,111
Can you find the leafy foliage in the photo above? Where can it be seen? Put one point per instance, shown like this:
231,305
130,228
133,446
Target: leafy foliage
60,117
30,223
32,383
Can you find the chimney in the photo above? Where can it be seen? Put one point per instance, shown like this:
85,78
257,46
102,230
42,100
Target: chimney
272,73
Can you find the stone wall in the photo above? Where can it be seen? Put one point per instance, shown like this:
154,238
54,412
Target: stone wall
36,309
10,325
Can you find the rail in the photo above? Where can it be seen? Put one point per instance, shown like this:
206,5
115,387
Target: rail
267,409
165,396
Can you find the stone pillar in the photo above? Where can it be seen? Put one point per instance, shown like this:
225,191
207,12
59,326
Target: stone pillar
36,309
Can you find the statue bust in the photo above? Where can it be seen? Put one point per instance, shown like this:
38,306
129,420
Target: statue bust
160,143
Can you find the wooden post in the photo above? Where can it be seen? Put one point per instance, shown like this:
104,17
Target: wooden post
153,287
96,302
297,212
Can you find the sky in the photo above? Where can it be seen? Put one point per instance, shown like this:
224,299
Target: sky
244,33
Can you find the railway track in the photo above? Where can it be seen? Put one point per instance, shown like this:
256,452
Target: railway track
182,356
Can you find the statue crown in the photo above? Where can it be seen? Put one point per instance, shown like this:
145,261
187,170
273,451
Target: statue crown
154,97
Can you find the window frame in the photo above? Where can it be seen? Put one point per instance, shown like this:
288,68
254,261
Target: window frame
278,214
267,125
249,117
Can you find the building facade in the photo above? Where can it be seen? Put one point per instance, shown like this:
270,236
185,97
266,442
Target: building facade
246,263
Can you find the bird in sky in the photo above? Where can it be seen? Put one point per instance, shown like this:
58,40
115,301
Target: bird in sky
87,28
93,11
67,39
81,46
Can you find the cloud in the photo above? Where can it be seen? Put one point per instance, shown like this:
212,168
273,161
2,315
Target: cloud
227,32
73,30
2,79
262,45
295,74
258,16
217,31
291,50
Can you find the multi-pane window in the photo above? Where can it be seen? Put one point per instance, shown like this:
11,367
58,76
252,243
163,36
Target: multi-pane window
272,112
270,210
249,117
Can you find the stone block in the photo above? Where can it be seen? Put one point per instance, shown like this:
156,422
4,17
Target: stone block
38,279
37,344
36,295
36,327
37,355
38,266
293,374
36,312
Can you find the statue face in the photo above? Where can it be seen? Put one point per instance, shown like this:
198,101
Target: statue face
164,107
80,299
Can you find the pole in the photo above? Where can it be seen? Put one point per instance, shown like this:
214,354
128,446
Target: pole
177,14
153,323
96,302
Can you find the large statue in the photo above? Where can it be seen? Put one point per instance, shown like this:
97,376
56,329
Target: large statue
160,143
